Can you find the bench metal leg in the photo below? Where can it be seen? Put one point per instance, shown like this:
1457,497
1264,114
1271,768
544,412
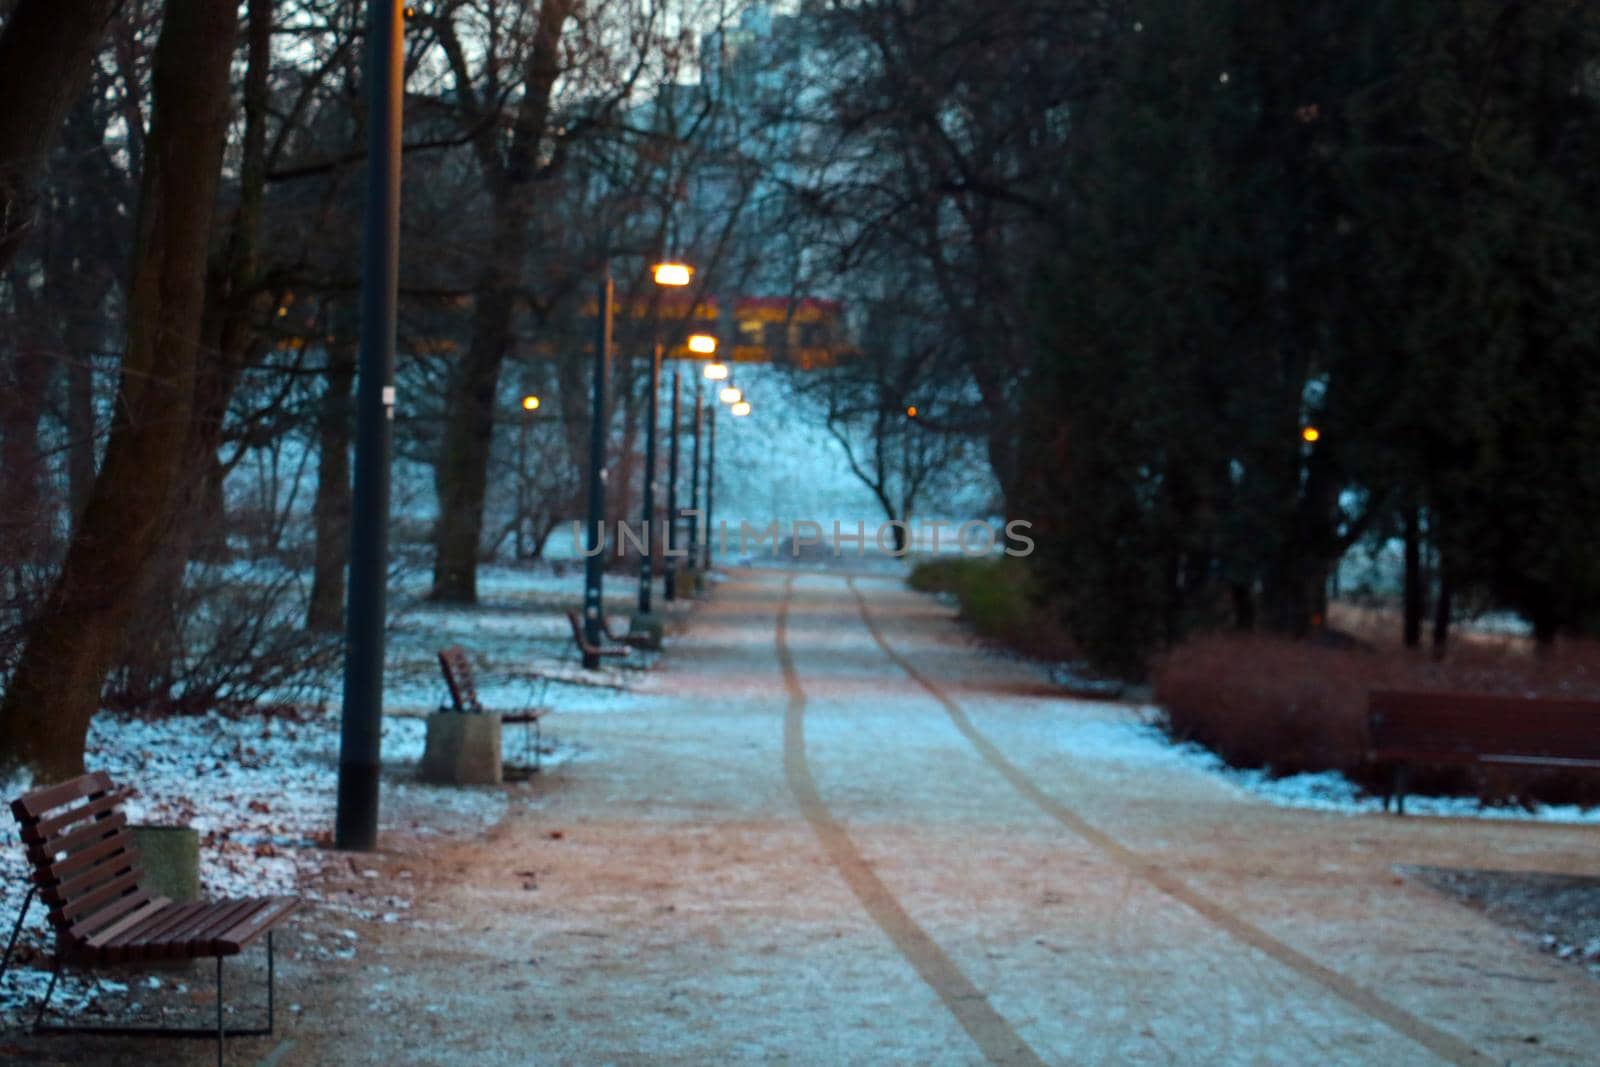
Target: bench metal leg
218,1032
49,991
27,902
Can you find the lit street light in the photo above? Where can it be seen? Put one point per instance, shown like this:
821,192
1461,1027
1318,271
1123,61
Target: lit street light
702,344
741,409
731,395
644,623
673,275
530,404
716,371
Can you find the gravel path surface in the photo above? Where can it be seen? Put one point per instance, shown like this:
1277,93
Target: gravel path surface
832,830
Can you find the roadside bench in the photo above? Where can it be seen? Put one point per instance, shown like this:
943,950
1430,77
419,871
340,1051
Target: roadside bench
86,869
592,654
462,684
1406,728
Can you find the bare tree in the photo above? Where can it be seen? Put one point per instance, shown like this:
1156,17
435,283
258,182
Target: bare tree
45,715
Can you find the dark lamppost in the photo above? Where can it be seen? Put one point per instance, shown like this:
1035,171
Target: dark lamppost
694,480
594,564
714,372
361,720
674,275
530,404
669,563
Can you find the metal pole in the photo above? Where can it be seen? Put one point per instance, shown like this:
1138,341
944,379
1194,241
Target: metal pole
594,564
669,564
711,477
646,558
694,480
522,477
361,727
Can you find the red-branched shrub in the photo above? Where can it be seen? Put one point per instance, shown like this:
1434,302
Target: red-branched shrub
1293,706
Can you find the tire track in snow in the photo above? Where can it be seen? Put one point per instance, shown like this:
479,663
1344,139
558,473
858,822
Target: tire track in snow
1446,1046
999,1043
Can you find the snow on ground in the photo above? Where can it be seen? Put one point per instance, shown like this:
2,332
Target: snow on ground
260,788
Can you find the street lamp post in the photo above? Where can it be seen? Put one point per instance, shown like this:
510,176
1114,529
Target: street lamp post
711,479
594,562
361,719
694,479
530,404
669,564
645,625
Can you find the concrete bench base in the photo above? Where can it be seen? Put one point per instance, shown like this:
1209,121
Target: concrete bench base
462,750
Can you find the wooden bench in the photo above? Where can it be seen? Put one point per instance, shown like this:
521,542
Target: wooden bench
86,870
460,680
1404,728
592,654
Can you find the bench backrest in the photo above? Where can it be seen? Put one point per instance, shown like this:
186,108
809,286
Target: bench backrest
82,853
457,671
1478,724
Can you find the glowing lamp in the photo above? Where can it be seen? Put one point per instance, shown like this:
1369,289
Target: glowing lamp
742,408
717,371
674,274
530,403
911,412
731,395
702,343
1310,435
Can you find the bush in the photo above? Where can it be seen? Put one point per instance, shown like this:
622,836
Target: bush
998,599
1295,706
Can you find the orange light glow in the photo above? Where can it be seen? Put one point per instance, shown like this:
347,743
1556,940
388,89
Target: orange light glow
731,395
702,343
911,412
530,403
1310,435
675,274
717,371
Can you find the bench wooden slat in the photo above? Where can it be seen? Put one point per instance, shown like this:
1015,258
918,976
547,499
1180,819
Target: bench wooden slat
146,914
576,622
458,678
231,912
44,830
85,904
150,940
31,806
237,937
108,869
42,856
108,846
77,930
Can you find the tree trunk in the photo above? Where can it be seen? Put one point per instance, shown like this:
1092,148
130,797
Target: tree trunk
332,507
1441,611
45,51
72,644
461,475
198,528
1413,579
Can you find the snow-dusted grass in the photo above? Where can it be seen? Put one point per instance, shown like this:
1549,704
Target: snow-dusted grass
260,788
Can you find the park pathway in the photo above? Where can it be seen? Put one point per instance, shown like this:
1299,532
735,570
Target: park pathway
832,830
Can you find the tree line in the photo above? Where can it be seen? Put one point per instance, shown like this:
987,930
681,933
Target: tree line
1229,289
